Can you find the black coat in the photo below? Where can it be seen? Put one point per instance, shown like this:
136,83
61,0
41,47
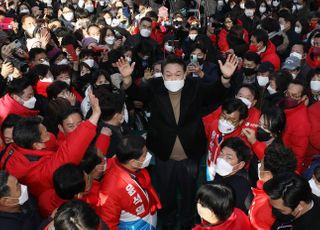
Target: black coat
163,129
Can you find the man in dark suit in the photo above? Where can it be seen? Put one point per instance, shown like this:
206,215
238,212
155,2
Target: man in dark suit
176,135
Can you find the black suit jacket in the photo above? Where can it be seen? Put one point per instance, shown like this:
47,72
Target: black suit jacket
163,128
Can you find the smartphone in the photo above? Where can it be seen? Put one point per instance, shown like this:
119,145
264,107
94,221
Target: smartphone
5,24
194,59
15,44
72,52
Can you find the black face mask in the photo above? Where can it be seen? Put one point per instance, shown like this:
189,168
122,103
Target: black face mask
249,71
263,135
282,217
200,61
84,80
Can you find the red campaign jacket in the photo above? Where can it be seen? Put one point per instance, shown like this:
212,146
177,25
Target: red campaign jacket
213,135
8,105
314,138
260,212
297,132
252,120
258,148
271,55
37,175
237,221
312,62
79,98
223,42
41,88
122,201
50,201
102,142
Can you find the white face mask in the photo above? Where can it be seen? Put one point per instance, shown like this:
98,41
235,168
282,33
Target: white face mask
193,36
48,80
89,8
174,86
145,33
315,86
45,63
271,90
246,101
89,62
108,21
97,38
24,195
262,81
314,187
30,30
109,40
295,54
129,60
146,161
262,9
259,172
249,12
30,103
275,3
24,11
282,27
63,62
157,74
68,81
68,16
225,126
242,6
63,1
298,29
48,2
168,48
223,168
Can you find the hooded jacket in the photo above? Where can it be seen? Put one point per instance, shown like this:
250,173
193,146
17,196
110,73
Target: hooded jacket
10,106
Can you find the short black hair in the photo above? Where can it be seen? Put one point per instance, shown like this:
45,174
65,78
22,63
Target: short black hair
4,188
59,69
250,5
34,52
243,152
40,71
66,113
278,159
286,15
26,132
55,88
76,214
110,104
252,56
68,181
217,197
282,79
85,52
98,73
130,147
235,104
253,90
275,119
261,36
10,121
270,24
17,86
289,187
145,19
299,82
198,46
90,159
172,59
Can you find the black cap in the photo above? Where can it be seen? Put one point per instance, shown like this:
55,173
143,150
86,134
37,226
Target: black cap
266,67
